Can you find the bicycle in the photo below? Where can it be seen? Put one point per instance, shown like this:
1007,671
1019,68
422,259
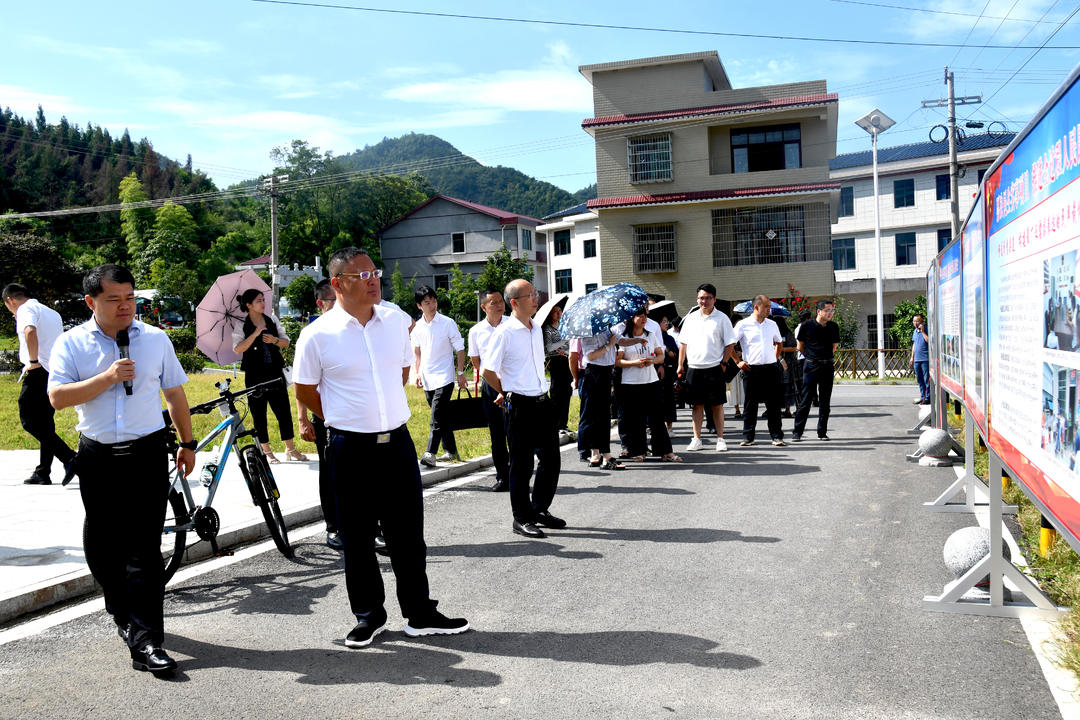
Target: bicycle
184,514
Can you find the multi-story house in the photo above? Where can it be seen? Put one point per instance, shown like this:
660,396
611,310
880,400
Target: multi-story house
701,182
427,241
914,194
573,250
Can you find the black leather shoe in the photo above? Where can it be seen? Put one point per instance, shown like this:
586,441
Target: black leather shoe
153,659
528,530
36,479
333,540
380,545
69,471
500,486
546,519
124,631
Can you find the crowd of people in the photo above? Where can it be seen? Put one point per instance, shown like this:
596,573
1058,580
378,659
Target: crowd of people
350,370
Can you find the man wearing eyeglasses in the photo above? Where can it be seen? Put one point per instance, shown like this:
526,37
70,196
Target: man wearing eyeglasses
514,368
350,369
818,340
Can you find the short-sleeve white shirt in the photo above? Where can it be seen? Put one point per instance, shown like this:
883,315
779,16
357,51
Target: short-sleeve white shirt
642,375
438,341
480,338
756,340
706,337
516,355
357,368
47,325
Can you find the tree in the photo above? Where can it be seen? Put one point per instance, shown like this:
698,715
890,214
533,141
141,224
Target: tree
847,317
501,268
135,223
36,263
401,293
172,240
175,281
459,301
905,310
301,295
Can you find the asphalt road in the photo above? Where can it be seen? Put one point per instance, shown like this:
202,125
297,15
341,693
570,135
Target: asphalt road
760,583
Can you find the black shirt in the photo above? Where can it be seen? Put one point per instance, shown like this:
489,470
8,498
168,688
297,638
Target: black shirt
818,340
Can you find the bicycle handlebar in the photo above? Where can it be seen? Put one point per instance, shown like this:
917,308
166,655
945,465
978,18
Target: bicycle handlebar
224,396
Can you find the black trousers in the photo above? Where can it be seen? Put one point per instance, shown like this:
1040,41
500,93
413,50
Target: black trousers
124,493
817,382
326,488
641,408
439,400
500,451
562,388
530,428
277,397
764,383
379,483
595,426
36,415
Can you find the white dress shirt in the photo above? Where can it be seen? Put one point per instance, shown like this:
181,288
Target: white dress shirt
705,338
47,325
114,416
357,368
757,340
438,340
480,339
516,355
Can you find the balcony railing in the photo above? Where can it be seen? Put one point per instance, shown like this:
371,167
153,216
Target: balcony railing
859,363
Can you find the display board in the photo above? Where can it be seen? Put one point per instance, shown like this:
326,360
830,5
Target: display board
949,310
973,346
1032,221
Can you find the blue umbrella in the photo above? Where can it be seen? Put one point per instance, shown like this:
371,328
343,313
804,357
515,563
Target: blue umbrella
601,310
747,306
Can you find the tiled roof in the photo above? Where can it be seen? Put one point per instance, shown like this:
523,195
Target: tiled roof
504,217
576,210
264,260
981,141
671,198
774,103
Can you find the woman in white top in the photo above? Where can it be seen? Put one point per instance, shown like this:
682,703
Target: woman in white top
639,393
260,340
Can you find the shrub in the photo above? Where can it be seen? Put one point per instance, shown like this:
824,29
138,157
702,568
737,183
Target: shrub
192,362
183,339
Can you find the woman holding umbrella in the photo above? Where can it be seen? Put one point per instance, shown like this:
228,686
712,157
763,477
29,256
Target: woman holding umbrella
640,392
259,341
558,364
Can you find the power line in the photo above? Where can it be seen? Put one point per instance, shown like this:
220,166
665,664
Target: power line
939,12
966,37
602,26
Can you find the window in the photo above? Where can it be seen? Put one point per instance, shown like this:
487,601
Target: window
589,247
526,239
843,253
944,237
649,158
903,193
655,249
457,240
776,147
442,282
562,242
847,201
905,249
981,173
563,282
891,343
766,235
943,188
589,287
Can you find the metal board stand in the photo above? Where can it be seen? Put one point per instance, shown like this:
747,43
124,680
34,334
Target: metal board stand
975,493
963,596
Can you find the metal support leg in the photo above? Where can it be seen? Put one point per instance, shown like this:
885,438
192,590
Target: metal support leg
969,483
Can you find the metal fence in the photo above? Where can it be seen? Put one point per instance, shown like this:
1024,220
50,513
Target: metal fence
861,363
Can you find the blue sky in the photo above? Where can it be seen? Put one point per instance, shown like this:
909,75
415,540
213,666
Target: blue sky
228,80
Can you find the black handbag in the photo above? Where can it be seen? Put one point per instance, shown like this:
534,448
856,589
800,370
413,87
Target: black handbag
467,412
731,370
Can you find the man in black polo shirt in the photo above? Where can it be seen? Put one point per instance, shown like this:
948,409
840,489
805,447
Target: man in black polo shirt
818,339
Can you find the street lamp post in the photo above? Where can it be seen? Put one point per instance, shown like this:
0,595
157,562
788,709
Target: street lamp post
876,122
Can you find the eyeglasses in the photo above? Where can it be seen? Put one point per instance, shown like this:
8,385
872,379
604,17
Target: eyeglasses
531,296
363,274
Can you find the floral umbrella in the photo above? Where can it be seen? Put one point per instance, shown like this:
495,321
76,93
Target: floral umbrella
601,310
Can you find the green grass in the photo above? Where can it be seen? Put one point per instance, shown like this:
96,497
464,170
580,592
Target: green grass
9,342
471,443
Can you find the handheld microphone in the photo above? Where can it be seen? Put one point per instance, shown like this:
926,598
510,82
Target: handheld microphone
122,344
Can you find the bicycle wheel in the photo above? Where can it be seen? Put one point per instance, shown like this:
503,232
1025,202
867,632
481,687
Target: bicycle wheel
265,494
173,539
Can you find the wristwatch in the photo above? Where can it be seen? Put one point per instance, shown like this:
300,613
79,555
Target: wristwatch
189,445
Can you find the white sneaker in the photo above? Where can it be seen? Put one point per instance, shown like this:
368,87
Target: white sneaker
695,444
721,446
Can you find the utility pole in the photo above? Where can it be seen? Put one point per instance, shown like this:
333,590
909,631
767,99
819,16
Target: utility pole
951,102
270,187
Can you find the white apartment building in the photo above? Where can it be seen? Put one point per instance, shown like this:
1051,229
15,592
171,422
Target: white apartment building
573,244
913,184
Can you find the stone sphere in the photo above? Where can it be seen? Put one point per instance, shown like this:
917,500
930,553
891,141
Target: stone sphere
966,547
935,442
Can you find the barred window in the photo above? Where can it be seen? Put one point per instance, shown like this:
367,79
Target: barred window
649,158
765,235
655,249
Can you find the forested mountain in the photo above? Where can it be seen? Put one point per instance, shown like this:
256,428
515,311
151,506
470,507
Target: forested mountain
452,173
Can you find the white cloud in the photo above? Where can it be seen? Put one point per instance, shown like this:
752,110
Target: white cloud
24,101
434,69
115,59
957,17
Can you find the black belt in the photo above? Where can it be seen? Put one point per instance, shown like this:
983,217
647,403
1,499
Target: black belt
131,447
380,438
519,398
